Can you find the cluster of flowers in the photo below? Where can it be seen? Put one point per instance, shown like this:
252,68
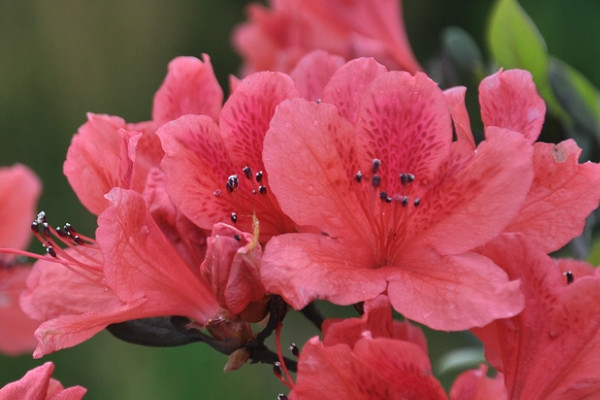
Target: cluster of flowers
346,181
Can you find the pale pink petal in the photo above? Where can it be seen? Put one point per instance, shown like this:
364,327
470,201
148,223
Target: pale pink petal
19,193
38,384
476,385
190,87
347,86
460,117
454,292
509,99
562,195
486,189
140,263
302,268
313,71
16,328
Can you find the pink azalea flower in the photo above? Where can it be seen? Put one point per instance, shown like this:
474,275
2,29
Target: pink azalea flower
134,271
399,205
551,349
112,153
549,216
38,384
276,38
215,172
19,192
371,357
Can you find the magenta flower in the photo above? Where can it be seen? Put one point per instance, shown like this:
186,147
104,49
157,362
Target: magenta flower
551,349
38,384
400,207
275,38
19,192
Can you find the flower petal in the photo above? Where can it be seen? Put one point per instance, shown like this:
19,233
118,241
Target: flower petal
404,121
551,349
452,292
190,87
139,262
348,84
38,384
301,268
19,193
460,117
475,197
562,195
313,71
509,99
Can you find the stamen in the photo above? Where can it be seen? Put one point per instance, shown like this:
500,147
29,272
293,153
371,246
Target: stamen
279,366
358,176
404,201
294,349
232,183
259,176
262,189
376,165
376,181
282,396
247,172
417,202
237,237
569,276
234,217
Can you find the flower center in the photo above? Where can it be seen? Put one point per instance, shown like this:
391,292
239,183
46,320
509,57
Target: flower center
388,202
247,193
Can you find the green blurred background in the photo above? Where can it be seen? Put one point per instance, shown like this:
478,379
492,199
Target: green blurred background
60,59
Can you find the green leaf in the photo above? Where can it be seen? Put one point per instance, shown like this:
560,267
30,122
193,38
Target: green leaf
515,42
579,98
464,52
460,359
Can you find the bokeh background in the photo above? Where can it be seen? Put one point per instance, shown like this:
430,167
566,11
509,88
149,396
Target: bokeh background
60,59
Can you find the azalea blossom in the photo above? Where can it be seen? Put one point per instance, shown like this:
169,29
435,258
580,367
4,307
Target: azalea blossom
563,192
275,38
19,192
133,271
374,357
398,206
551,349
366,358
215,172
38,384
107,152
